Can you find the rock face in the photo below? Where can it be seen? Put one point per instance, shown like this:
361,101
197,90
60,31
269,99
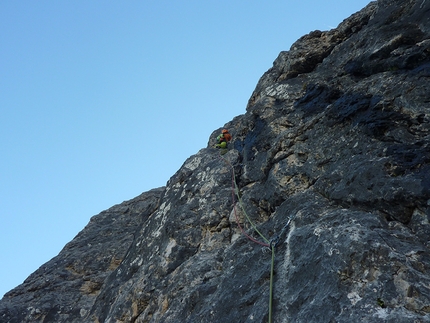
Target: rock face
336,139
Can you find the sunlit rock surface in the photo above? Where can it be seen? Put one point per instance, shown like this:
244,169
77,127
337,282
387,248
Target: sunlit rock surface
335,138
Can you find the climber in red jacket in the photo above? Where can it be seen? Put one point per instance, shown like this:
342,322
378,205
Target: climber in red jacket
223,139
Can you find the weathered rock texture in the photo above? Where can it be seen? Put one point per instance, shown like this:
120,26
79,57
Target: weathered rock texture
335,137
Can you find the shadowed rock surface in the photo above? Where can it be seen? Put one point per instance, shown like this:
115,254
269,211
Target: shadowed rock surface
335,138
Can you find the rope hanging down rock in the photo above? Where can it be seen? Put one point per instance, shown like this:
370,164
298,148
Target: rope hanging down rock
235,191
271,244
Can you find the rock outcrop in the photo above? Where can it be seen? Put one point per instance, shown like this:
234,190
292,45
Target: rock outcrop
335,139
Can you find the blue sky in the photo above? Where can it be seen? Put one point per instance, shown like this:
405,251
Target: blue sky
103,100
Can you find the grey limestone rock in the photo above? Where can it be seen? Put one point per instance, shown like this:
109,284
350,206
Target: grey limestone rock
335,140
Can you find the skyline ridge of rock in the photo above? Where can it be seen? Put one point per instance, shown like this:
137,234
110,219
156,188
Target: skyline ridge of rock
335,138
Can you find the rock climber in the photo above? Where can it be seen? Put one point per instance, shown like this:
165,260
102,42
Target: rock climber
223,139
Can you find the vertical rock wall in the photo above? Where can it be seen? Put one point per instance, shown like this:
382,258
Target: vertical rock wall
336,139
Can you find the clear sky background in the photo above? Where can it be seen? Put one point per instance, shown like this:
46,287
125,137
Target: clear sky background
103,100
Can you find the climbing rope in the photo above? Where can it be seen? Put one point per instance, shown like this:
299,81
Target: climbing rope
242,230
268,243
272,267
235,191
